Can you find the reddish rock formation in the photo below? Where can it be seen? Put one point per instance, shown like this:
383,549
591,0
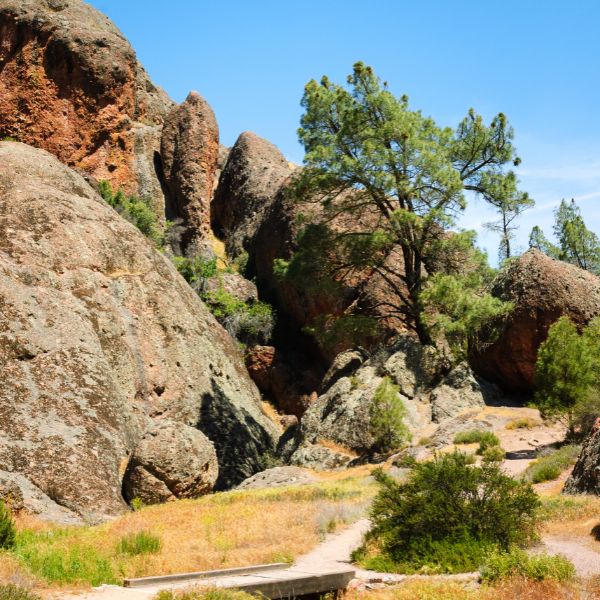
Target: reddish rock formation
254,172
189,152
291,389
100,340
542,289
70,84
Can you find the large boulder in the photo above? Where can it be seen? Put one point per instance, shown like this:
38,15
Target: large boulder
171,461
254,172
585,478
70,83
100,338
189,153
542,290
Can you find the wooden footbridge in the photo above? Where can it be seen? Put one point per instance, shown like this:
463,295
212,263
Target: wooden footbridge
278,580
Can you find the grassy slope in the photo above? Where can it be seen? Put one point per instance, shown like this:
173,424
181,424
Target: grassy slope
221,530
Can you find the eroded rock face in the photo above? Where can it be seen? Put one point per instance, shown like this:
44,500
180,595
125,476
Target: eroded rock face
585,478
542,290
100,338
282,379
189,153
171,461
70,84
254,172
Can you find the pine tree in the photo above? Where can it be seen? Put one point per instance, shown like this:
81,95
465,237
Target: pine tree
387,412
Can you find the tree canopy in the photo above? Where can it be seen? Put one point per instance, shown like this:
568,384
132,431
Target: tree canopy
399,177
576,244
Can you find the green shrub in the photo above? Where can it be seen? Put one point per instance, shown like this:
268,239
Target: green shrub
522,423
493,454
504,565
447,515
477,436
386,417
251,323
196,270
142,542
9,138
15,592
136,504
137,211
8,532
549,467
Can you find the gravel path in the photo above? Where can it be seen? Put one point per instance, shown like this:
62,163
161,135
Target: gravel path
585,559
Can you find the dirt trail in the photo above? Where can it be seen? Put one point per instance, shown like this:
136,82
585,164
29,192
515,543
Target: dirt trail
577,550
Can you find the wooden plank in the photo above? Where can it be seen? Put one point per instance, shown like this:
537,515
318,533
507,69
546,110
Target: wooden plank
300,585
161,579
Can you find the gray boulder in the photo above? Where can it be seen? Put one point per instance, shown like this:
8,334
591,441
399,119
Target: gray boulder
171,461
585,478
277,477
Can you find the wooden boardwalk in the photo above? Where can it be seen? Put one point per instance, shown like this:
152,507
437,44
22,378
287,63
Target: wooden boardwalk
273,581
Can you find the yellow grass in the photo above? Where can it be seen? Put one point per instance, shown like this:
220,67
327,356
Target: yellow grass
572,516
517,589
221,530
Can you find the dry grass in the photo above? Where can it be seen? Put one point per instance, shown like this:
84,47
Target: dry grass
272,413
571,516
517,589
523,423
221,530
336,447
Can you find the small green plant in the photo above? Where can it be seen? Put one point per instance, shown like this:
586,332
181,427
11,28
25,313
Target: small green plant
386,414
493,454
447,516
16,592
136,504
142,542
8,532
516,562
9,138
549,467
476,436
137,211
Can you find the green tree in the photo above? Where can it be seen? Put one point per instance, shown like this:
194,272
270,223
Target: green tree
567,369
509,207
386,416
448,515
397,177
576,245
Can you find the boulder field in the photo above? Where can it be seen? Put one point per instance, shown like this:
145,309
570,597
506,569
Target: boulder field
101,342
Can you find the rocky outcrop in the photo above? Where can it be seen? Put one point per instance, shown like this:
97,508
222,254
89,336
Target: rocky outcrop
101,339
171,461
291,388
190,152
277,477
70,84
460,390
254,172
542,290
585,478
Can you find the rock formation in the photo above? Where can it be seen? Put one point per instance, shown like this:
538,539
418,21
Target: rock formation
542,289
189,153
585,478
100,340
171,461
254,172
70,84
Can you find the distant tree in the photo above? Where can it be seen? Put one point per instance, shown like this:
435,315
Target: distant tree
576,244
387,412
397,177
567,370
509,207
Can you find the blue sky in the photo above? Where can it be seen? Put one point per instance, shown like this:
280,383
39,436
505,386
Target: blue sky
536,61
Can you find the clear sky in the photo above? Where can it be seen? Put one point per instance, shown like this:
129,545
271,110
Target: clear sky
538,61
